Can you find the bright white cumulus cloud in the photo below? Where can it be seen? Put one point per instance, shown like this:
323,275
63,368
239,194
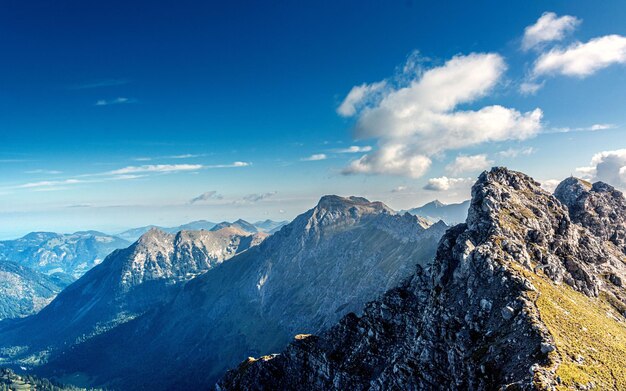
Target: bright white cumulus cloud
548,28
471,163
607,166
419,119
358,96
582,59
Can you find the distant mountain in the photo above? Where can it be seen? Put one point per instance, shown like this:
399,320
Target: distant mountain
24,291
239,224
134,233
270,226
126,284
435,210
328,262
528,294
50,253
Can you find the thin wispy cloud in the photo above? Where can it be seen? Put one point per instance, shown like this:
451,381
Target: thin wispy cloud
515,152
256,197
315,157
43,171
231,165
154,168
353,149
592,128
116,101
209,195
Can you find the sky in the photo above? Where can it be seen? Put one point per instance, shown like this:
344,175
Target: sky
119,114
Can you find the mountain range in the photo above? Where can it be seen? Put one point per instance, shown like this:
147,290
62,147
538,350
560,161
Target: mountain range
436,210
527,294
50,253
328,262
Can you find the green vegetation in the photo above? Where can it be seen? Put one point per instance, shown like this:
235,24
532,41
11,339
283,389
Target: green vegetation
590,335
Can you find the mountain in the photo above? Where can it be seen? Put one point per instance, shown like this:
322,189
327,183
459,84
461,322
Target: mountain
239,224
436,210
270,226
24,291
528,294
134,233
328,262
125,285
50,253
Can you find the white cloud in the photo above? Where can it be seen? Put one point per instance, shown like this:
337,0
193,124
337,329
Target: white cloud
550,184
231,165
151,168
592,128
607,166
530,87
209,195
582,59
49,183
468,164
512,152
549,27
43,171
596,127
391,159
416,121
357,97
399,189
354,149
116,101
315,157
444,183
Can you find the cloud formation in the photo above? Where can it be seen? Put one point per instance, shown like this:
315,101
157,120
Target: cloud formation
582,59
256,197
209,195
548,28
354,149
420,118
445,183
471,163
116,101
357,97
152,168
315,157
607,166
513,152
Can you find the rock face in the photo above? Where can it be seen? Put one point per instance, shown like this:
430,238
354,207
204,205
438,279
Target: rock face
125,285
521,296
50,253
24,291
599,207
325,264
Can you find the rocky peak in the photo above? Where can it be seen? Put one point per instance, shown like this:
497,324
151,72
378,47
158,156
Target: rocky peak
498,309
599,207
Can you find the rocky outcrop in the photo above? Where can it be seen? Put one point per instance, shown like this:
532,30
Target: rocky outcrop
493,312
599,207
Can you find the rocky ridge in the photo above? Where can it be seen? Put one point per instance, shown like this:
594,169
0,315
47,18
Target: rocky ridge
521,296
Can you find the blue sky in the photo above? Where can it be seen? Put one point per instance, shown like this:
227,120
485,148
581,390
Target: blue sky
115,115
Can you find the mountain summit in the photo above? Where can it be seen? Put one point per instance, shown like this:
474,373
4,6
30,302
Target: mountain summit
327,263
522,296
